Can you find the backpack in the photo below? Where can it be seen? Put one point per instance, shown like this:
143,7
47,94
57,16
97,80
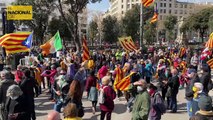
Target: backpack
160,106
101,96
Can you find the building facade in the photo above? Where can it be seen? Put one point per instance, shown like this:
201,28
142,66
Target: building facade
2,5
118,8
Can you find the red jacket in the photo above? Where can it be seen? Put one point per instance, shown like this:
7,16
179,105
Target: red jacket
110,95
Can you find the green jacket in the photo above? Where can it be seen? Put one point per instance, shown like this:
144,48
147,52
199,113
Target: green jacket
141,106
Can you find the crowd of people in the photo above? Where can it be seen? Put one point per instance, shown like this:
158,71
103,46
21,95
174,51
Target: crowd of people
151,83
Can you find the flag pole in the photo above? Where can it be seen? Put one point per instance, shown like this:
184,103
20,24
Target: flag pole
141,25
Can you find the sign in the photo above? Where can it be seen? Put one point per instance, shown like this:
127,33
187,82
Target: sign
19,13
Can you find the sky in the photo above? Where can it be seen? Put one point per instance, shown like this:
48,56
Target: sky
104,4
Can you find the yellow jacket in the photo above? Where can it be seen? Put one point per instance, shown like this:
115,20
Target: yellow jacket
76,118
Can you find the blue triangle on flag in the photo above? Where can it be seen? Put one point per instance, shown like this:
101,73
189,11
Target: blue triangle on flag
28,41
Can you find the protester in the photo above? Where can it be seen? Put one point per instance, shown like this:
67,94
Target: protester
27,85
205,78
157,107
75,96
92,91
71,112
193,78
5,83
173,88
205,112
60,88
53,115
19,74
17,106
109,95
141,105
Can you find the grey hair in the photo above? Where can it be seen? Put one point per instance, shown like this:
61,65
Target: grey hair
14,90
7,74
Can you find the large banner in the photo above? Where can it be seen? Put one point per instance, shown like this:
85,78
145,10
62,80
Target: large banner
19,13
127,44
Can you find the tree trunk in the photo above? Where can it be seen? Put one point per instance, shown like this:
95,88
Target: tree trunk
76,36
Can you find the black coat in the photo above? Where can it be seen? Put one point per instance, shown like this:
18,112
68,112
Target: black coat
205,80
3,89
19,106
174,84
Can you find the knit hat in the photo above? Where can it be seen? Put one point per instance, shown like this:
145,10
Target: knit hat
205,103
14,90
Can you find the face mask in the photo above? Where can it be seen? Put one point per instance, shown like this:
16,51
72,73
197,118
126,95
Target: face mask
13,97
139,88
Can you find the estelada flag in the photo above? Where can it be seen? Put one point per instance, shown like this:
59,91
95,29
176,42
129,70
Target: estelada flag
123,85
85,50
209,43
210,63
155,17
13,42
127,44
147,3
118,76
182,52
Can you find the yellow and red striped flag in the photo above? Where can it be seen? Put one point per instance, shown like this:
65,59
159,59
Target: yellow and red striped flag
13,42
209,43
147,3
123,85
85,50
118,76
155,17
210,63
127,44
182,52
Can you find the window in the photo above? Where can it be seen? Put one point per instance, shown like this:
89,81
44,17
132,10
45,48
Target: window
185,11
190,6
185,6
176,5
128,1
170,5
170,0
181,5
122,1
181,11
122,12
132,0
161,4
164,10
175,11
128,6
161,11
164,4
122,6
161,17
170,11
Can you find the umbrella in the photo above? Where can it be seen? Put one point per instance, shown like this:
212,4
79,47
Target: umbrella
209,43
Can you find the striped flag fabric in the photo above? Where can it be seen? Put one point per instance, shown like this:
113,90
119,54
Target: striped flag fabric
118,76
13,42
182,52
85,50
53,45
155,17
127,44
205,53
123,85
209,43
147,3
210,63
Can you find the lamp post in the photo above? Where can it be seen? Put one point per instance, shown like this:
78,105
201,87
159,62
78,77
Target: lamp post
141,25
